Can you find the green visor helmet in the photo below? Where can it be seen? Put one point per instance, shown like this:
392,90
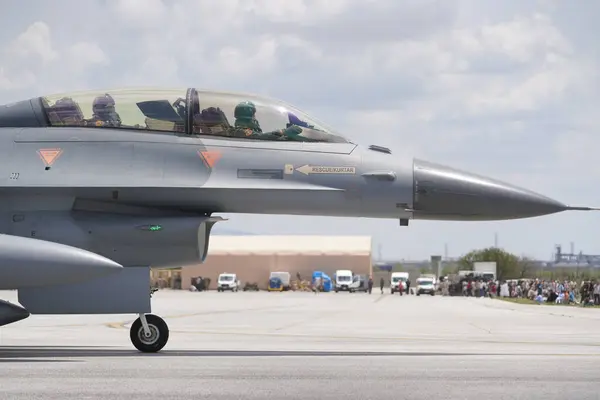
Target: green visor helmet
245,110
244,114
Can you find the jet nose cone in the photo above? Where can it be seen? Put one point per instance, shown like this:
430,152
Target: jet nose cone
448,194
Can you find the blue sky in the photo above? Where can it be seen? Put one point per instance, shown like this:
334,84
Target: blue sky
507,89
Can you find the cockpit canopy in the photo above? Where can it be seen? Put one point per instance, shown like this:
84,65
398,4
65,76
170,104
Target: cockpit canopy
187,111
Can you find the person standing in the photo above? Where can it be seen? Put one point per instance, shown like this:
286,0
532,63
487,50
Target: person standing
381,282
370,284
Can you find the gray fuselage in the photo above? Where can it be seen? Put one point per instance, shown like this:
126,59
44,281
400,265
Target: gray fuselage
99,187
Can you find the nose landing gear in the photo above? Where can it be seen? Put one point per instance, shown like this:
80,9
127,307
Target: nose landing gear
149,333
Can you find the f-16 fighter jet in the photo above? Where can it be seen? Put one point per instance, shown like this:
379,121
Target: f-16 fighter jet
100,185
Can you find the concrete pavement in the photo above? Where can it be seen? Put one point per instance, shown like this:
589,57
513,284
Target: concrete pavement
251,345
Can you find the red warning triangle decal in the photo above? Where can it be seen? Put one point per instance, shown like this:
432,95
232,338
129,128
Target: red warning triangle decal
49,156
210,158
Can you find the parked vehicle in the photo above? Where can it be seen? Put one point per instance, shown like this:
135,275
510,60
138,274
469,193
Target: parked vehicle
325,280
360,283
396,278
425,285
343,280
228,281
279,281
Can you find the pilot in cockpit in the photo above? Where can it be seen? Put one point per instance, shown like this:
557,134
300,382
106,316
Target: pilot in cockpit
247,126
104,113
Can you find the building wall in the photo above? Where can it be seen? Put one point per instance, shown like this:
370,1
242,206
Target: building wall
257,268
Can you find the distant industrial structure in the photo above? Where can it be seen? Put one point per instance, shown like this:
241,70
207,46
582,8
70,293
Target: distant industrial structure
573,259
558,260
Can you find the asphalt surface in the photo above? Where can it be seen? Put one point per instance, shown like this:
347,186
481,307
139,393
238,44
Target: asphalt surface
307,346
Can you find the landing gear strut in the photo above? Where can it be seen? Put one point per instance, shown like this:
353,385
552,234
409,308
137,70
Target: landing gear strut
149,333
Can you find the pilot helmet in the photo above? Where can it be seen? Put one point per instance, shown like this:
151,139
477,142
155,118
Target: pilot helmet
245,110
104,106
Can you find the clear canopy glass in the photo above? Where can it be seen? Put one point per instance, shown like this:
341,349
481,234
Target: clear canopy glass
146,109
234,115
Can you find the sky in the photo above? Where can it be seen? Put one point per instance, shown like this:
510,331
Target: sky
505,89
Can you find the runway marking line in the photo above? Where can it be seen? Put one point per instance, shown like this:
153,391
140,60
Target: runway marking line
123,325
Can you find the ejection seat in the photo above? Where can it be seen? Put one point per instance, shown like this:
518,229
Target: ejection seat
65,112
211,121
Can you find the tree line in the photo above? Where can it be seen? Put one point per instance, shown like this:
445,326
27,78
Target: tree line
512,266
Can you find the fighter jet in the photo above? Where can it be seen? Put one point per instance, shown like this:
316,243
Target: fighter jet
100,185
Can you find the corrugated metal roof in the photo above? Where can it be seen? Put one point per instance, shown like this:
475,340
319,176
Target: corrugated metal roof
226,244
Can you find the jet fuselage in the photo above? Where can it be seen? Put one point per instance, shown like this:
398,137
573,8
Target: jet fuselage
97,181
89,169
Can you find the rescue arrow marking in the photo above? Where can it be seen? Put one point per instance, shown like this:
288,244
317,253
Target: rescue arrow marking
313,169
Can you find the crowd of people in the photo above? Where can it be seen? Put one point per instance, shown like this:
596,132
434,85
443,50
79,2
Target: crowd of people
539,290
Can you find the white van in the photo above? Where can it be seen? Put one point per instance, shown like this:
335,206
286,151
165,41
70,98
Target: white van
228,281
396,278
343,280
425,285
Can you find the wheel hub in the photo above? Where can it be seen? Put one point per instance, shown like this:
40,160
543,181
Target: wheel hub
148,338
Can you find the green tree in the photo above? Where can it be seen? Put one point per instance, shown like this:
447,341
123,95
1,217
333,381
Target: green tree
526,268
508,265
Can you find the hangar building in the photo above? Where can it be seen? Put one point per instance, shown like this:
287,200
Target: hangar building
253,258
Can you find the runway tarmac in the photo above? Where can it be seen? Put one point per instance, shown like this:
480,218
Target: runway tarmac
306,346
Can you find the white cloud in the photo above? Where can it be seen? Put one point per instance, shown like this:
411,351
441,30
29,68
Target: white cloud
507,88
17,81
523,38
34,42
298,11
140,14
257,58
82,55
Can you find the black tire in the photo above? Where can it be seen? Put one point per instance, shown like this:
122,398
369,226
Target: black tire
418,293
158,338
433,293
